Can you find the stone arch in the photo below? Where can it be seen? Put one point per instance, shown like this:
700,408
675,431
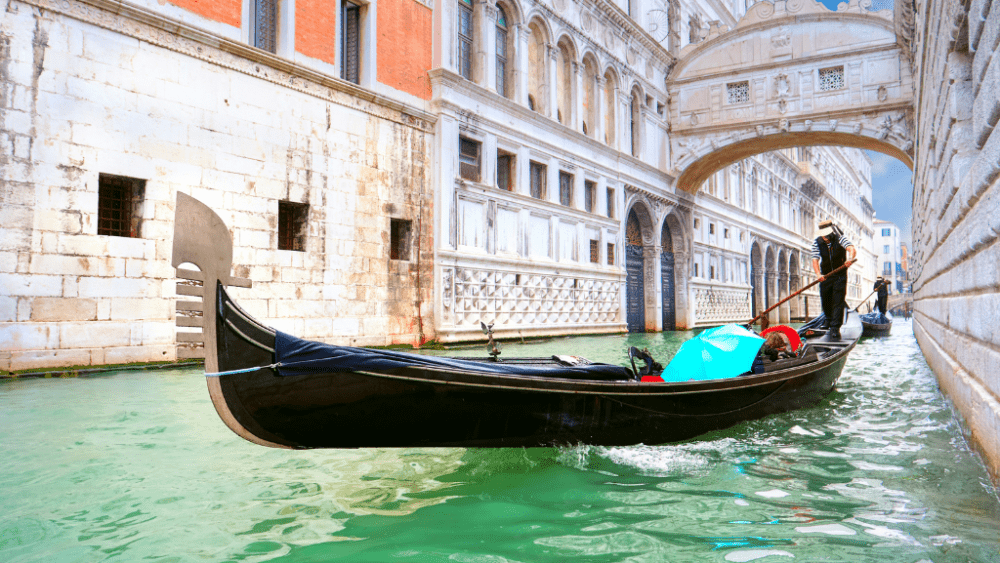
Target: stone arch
763,107
640,267
634,122
565,80
756,278
515,13
610,107
770,282
538,81
795,310
590,96
506,47
782,280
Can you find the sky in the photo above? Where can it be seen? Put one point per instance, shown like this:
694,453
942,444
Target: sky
892,193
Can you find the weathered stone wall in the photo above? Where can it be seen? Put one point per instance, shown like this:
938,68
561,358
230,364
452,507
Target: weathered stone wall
85,92
956,206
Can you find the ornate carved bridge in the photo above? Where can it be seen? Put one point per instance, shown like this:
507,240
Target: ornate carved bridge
792,73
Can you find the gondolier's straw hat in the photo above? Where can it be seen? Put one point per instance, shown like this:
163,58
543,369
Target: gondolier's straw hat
825,229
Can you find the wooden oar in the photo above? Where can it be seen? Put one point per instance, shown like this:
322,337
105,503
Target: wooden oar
764,323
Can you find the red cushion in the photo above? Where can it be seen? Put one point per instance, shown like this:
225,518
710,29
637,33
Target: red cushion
652,379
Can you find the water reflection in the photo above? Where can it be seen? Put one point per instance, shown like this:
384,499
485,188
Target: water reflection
138,467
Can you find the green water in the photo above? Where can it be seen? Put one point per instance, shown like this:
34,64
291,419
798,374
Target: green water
136,466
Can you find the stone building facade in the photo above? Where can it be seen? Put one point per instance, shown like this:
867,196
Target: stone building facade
955,48
109,109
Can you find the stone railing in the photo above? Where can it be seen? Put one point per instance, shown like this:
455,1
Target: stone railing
515,300
715,305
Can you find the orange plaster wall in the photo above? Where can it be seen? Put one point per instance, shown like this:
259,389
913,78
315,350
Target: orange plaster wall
225,11
316,29
404,46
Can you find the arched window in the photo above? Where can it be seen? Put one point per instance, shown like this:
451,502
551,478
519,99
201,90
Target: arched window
465,37
564,83
589,122
536,68
502,52
634,122
609,108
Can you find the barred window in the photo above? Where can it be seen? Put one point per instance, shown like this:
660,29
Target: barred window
589,195
538,180
831,78
595,252
565,189
611,254
292,218
350,48
264,25
468,159
738,92
465,38
119,201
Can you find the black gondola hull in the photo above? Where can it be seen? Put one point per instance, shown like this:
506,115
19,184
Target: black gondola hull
428,408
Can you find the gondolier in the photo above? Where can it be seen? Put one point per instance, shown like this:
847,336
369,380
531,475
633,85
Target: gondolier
881,302
830,250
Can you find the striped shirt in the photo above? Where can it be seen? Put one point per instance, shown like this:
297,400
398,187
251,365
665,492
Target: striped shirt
815,249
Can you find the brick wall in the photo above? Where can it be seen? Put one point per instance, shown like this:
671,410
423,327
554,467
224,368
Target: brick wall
223,11
316,29
957,210
79,100
405,38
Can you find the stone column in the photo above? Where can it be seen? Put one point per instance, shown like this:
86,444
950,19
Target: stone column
599,110
624,115
576,101
519,58
551,80
683,312
486,45
784,312
652,289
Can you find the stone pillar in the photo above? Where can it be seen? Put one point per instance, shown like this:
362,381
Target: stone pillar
683,311
551,82
486,47
652,289
576,96
624,115
599,109
784,312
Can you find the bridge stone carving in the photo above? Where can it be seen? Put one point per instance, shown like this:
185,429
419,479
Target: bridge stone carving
791,73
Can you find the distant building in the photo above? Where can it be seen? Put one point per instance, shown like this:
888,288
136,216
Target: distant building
889,250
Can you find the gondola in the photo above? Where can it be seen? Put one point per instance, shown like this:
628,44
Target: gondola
875,324
277,390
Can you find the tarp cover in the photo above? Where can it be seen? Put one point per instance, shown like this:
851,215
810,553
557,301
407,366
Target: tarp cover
876,318
298,357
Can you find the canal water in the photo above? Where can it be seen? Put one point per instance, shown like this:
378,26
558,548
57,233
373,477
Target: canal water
136,466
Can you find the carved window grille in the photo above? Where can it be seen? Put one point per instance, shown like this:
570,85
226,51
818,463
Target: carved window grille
292,219
595,252
589,195
505,171
501,52
399,239
264,25
738,92
538,172
831,78
566,189
611,254
468,159
350,64
119,201
465,38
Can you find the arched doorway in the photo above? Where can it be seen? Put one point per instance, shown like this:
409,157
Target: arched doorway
635,307
667,278
756,279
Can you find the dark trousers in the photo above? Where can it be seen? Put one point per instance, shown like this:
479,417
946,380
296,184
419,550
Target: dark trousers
881,303
832,293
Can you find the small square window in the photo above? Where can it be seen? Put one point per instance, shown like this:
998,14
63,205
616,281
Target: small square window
589,195
711,228
725,233
595,252
611,254
468,159
566,189
399,239
738,92
697,223
292,225
695,269
505,171
711,272
119,205
611,203
831,78
538,172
